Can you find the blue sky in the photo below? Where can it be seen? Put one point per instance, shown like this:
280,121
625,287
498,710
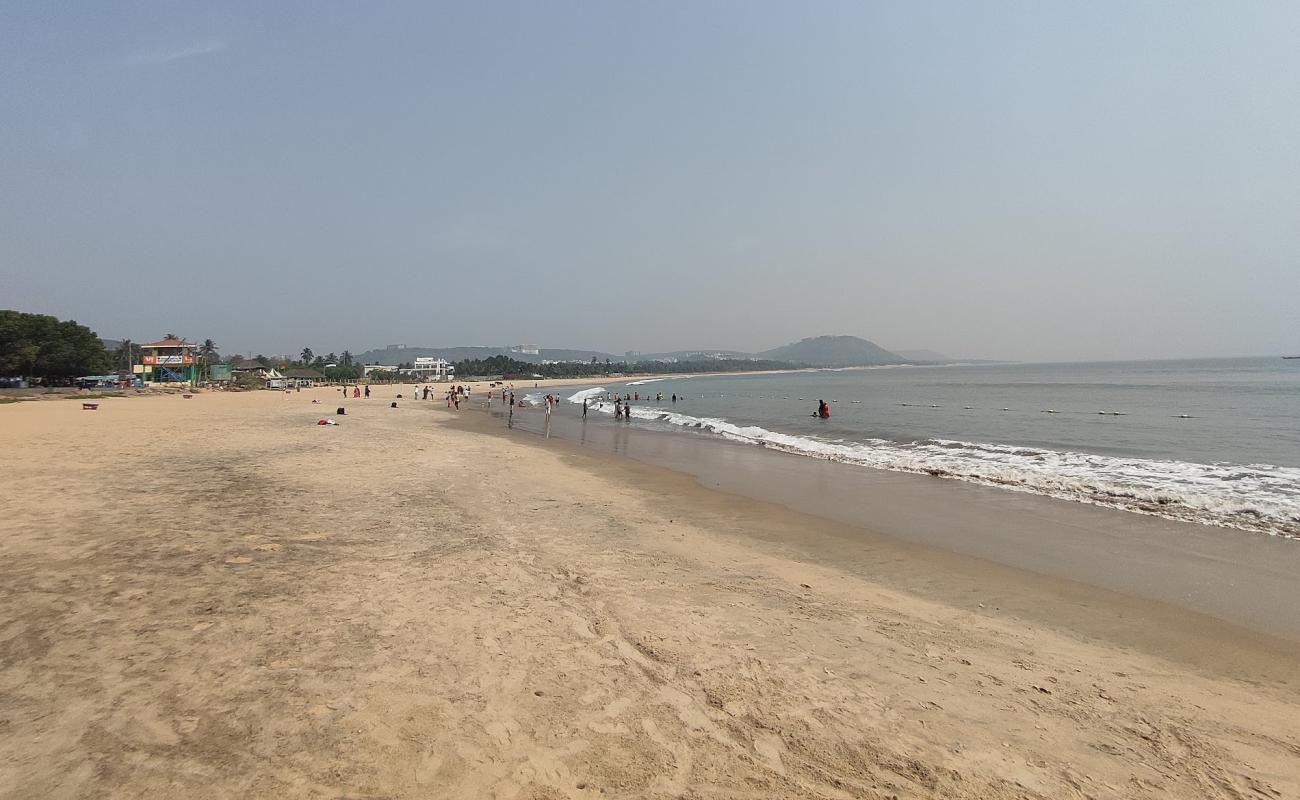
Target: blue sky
1018,180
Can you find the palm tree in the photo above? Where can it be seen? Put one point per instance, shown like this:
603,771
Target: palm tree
346,359
127,354
170,336
307,355
207,354
331,359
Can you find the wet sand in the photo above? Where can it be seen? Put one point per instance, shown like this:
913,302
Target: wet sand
1247,579
218,598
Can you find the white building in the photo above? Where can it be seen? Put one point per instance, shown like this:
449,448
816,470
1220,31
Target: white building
369,368
429,368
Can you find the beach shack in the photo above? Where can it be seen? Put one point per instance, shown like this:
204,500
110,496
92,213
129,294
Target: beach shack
251,366
301,377
168,361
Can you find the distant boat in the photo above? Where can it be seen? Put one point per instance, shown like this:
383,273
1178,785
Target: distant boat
1291,356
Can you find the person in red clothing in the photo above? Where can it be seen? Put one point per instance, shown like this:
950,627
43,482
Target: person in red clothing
823,410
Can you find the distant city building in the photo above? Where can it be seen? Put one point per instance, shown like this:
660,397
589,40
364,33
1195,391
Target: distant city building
526,349
429,368
632,354
369,368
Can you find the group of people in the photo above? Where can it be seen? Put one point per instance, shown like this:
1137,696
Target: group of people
506,396
356,390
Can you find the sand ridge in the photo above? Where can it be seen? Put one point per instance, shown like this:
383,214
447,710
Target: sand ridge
216,597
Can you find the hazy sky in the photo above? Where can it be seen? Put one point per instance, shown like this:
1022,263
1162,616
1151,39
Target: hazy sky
1020,180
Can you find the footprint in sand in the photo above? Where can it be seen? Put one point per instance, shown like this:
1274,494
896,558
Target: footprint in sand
239,560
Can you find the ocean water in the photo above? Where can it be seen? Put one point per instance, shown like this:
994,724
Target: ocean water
1211,441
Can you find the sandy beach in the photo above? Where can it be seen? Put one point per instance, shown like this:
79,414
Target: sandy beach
216,597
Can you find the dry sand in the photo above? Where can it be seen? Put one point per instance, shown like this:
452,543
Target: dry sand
216,598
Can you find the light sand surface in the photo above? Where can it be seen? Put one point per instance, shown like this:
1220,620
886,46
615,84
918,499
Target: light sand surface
217,598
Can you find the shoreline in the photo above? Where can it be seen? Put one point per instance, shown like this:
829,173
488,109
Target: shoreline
1185,577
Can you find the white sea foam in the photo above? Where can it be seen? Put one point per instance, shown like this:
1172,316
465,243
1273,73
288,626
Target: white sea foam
644,381
1255,497
578,397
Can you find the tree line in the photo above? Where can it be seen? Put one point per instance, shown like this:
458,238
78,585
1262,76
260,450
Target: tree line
45,347
508,367
42,346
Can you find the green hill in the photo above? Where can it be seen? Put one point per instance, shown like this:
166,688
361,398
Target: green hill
833,351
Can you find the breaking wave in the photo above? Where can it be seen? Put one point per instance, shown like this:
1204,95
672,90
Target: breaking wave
1254,497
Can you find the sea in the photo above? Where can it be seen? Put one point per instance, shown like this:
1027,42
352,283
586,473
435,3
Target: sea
1213,441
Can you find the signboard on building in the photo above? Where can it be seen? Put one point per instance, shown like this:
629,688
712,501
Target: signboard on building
167,360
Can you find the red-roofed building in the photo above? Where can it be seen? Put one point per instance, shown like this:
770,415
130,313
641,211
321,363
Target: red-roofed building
169,361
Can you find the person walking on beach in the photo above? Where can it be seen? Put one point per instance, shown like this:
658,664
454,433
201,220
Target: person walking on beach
356,391
584,408
367,391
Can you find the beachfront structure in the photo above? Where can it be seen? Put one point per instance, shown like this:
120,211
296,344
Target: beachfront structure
431,369
302,377
168,361
251,366
369,368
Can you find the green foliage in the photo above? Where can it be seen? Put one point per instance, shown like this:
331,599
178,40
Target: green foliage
41,346
127,354
248,380
342,373
496,365
509,367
